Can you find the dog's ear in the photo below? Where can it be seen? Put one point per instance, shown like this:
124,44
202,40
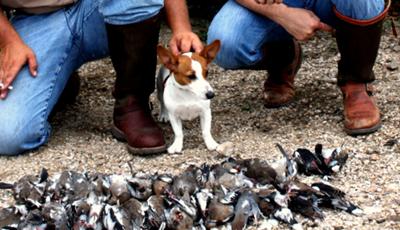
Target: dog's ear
167,58
210,51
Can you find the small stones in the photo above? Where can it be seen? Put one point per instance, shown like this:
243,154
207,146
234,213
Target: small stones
374,157
392,65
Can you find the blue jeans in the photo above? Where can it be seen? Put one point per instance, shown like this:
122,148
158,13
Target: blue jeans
62,41
243,32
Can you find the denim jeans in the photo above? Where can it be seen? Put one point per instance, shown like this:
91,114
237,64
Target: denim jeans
243,32
62,41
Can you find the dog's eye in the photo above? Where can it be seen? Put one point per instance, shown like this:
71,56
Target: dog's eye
192,77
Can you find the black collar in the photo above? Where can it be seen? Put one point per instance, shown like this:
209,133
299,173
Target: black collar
165,80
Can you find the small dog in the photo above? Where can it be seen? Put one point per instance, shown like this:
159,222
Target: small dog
184,92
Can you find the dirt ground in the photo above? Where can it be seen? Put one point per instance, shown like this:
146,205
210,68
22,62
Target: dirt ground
81,138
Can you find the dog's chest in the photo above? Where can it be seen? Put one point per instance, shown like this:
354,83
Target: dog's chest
183,105
188,110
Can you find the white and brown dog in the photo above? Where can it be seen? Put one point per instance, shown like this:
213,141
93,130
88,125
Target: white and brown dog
184,92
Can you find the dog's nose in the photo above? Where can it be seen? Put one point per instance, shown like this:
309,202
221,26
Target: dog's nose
210,94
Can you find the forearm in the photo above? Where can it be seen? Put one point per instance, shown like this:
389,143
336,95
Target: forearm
275,12
7,31
177,15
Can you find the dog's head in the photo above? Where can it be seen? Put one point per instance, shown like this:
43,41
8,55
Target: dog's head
190,69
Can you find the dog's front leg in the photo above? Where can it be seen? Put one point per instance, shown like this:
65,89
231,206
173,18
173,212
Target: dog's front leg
205,122
176,124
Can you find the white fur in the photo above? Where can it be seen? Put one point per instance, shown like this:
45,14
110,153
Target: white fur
185,102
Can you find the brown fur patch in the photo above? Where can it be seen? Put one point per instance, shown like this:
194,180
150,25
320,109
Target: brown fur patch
184,70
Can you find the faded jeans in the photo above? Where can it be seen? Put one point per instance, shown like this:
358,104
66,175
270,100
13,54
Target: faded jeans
62,41
243,32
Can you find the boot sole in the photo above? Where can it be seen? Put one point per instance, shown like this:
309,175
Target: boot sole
356,132
275,106
119,135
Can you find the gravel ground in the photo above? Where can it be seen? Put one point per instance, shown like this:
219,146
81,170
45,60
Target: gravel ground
81,138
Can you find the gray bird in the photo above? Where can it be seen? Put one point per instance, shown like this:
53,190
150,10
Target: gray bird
140,186
9,216
156,212
335,198
55,216
119,188
218,213
285,215
135,211
162,183
33,221
179,220
112,218
29,189
290,165
185,183
203,198
246,209
259,171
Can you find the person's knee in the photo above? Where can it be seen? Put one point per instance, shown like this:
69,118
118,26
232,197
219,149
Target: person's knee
229,45
17,137
360,9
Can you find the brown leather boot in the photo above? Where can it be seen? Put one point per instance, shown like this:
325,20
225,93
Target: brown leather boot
360,111
358,43
134,124
133,54
283,60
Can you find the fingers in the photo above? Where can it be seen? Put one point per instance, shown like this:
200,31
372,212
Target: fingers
185,46
32,63
174,47
324,27
185,42
197,46
7,80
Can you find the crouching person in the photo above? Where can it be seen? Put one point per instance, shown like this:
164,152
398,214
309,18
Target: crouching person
45,42
264,36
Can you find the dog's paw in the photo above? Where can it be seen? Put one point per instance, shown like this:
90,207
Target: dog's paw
212,145
163,118
175,148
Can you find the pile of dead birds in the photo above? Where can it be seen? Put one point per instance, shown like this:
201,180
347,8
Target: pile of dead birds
231,195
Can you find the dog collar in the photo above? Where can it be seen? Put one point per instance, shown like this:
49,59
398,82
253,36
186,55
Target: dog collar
165,80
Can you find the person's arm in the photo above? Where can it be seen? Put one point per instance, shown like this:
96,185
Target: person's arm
14,54
268,1
183,39
300,23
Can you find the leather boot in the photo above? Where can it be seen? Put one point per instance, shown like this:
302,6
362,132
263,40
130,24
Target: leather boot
133,54
282,61
360,111
358,43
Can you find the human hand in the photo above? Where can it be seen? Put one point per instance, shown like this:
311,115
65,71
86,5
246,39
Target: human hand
302,24
182,42
268,1
13,56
